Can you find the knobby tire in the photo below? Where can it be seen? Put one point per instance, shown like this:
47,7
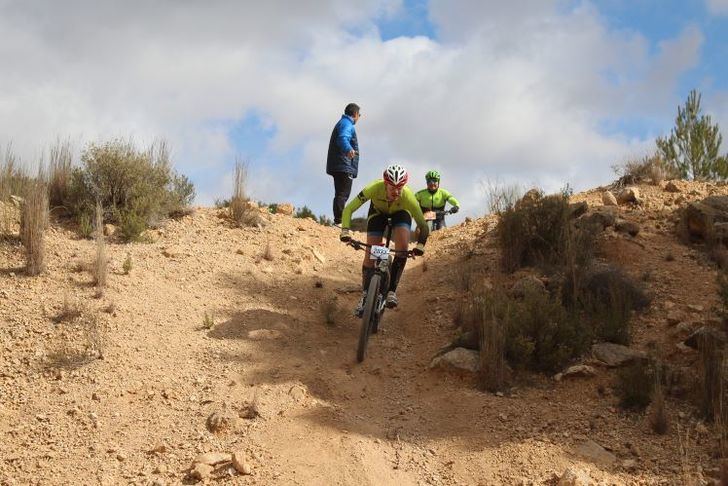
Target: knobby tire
370,314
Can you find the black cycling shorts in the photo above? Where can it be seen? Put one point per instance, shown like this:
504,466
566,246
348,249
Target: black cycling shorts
377,222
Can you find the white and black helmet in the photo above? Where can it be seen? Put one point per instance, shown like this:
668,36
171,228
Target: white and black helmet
395,175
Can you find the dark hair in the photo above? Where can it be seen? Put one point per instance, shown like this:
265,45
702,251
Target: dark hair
351,109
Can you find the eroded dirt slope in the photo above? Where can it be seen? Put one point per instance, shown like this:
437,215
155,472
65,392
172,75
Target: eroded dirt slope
139,414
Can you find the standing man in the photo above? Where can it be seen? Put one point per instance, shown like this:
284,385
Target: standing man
342,162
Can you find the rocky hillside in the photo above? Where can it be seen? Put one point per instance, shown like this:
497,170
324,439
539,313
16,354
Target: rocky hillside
208,358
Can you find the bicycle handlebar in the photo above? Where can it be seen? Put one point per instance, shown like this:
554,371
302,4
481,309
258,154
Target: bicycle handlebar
360,245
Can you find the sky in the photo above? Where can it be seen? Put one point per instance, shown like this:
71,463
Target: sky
530,92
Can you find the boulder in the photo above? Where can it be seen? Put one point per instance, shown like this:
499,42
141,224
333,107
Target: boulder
629,227
593,452
608,199
615,355
599,218
701,217
671,186
576,371
285,208
629,195
574,477
527,285
109,229
706,334
459,359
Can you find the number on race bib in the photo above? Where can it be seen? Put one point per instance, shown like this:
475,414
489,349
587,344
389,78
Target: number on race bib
378,252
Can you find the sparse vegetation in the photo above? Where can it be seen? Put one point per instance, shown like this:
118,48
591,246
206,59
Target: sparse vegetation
33,223
137,188
712,375
304,212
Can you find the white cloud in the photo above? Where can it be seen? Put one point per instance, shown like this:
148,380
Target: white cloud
516,92
718,7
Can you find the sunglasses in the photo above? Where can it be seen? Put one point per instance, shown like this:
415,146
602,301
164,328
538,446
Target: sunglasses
433,181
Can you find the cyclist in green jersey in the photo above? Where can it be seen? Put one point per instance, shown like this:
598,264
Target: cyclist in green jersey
434,198
390,198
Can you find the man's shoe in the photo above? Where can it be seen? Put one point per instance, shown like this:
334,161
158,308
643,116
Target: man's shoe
392,301
359,310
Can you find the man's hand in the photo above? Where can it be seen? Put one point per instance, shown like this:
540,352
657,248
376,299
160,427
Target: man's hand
454,209
419,249
351,153
345,236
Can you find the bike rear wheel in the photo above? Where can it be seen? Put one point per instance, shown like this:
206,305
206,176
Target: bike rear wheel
369,317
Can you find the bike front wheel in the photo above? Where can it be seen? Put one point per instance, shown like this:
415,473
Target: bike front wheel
370,315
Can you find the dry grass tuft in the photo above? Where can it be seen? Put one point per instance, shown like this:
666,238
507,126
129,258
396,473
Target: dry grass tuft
268,252
127,266
33,223
101,262
241,210
492,373
60,165
208,321
659,421
69,311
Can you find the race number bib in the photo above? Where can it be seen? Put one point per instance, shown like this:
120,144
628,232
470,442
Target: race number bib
378,252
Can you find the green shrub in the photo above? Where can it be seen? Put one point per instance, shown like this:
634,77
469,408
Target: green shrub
540,333
304,212
124,179
132,226
85,228
538,230
325,220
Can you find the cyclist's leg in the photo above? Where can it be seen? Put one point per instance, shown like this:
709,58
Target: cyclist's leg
401,223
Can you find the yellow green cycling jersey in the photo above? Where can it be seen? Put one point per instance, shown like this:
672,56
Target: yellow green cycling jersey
429,201
376,192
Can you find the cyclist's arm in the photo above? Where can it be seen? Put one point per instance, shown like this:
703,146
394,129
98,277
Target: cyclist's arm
411,205
363,196
451,199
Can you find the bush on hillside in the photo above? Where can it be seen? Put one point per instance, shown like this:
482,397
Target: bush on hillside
540,333
304,212
651,169
538,230
128,183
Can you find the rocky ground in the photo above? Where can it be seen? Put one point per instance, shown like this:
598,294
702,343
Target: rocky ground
211,360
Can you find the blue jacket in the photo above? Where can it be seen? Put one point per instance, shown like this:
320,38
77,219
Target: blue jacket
343,139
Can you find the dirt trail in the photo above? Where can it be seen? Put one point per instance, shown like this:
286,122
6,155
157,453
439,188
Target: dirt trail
323,418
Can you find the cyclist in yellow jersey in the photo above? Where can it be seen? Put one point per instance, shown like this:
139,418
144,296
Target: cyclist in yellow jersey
390,198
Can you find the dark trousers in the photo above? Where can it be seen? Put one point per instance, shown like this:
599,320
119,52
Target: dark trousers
342,189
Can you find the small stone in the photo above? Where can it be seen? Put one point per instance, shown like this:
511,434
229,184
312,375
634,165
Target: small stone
201,471
96,396
121,457
240,464
574,477
608,199
212,458
161,469
695,308
159,448
701,429
629,465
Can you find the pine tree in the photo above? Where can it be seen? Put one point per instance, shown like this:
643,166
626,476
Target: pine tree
694,144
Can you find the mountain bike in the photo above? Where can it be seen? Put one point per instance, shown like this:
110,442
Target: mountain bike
436,218
375,301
